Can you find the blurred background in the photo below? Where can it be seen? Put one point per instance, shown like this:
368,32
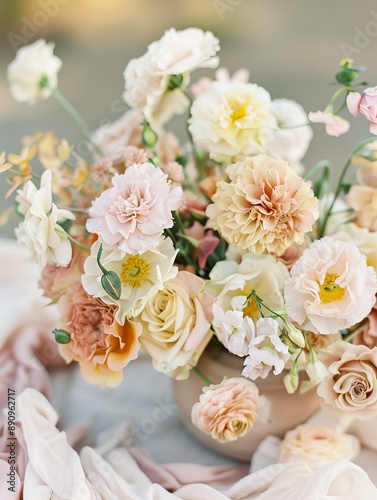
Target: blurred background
291,47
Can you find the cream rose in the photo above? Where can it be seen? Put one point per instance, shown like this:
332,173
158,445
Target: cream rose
350,388
317,445
177,325
228,410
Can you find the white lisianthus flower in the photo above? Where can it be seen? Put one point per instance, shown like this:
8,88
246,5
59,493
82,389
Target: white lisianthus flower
40,231
148,78
266,351
33,65
141,275
233,329
331,287
232,118
290,144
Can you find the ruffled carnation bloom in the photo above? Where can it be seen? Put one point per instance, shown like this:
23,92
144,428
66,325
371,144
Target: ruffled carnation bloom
334,125
176,325
290,144
317,445
266,206
366,105
132,155
34,64
147,78
235,316
133,214
227,411
40,231
232,118
363,199
112,138
266,351
331,287
102,346
350,388
141,276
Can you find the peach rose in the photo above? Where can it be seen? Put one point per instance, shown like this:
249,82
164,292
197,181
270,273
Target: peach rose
100,345
227,410
176,325
317,445
351,385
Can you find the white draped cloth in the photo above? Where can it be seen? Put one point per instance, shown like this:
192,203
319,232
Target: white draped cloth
123,424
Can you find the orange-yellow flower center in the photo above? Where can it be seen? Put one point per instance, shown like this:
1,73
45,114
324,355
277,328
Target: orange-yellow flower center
239,111
135,270
251,310
329,291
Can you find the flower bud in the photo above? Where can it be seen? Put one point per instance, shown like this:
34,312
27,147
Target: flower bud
112,285
295,335
61,336
291,382
316,370
148,135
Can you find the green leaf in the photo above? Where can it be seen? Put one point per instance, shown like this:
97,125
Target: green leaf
346,188
182,160
112,285
61,336
346,76
175,82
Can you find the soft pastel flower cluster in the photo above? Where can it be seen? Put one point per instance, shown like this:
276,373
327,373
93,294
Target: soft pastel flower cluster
223,241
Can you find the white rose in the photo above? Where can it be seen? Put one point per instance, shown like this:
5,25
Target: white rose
317,446
290,144
33,65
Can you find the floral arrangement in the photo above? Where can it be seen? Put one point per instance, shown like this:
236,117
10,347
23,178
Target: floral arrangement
144,242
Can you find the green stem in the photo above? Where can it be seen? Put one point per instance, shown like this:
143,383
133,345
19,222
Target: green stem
340,183
72,111
179,222
202,376
77,243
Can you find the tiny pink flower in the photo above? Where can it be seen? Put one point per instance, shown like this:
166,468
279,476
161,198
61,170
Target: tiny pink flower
132,215
334,125
366,105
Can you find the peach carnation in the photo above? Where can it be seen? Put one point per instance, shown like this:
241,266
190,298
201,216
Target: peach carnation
266,207
228,410
363,199
331,287
101,346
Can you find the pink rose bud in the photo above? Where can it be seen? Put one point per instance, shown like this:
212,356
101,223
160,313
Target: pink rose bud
366,104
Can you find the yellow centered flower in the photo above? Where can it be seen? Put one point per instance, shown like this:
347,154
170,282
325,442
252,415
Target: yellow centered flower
251,310
239,111
329,291
135,270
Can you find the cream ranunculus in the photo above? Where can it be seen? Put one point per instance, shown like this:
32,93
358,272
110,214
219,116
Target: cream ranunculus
40,231
232,118
177,326
227,410
350,388
33,67
231,283
141,275
317,445
266,206
363,199
331,287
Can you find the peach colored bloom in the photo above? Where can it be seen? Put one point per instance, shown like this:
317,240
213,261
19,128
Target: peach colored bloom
292,254
363,199
176,325
221,75
331,287
133,214
175,173
334,125
132,154
227,410
368,336
366,105
265,208
101,346
317,445
350,388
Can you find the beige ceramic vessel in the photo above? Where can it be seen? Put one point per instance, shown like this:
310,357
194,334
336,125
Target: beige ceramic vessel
287,410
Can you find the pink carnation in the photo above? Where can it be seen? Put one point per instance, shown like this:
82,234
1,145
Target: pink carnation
133,214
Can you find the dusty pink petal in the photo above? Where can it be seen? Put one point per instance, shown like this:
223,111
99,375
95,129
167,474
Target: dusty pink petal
206,247
334,125
353,102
